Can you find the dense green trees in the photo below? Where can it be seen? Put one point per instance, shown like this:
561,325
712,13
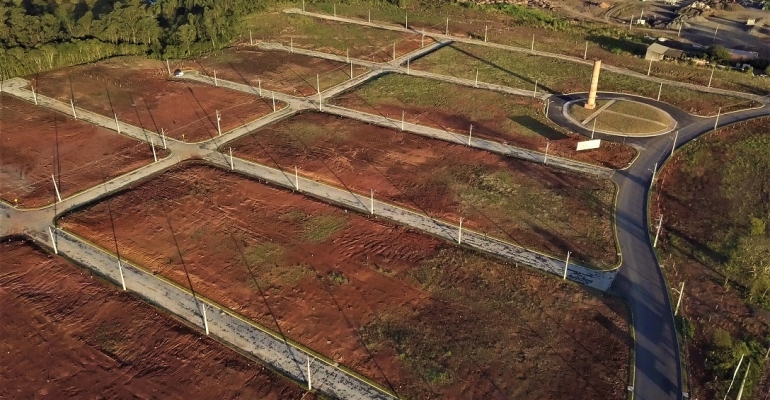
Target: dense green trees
41,34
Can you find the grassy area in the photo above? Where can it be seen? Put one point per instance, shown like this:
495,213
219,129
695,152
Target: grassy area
331,37
513,25
516,120
639,110
714,199
580,113
622,123
520,70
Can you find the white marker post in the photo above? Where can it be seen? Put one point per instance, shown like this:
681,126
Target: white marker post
72,103
205,320
371,201
532,48
251,41
534,93
422,40
470,134
649,69
117,124
585,53
34,95
566,266
219,118
716,122
545,159
485,33
335,9
318,83
273,94
681,292
370,16
406,20
673,148
215,78
154,154
303,5
408,68
53,241
460,232
56,187
660,90
446,30
403,114
477,78
309,378
168,67
320,102
654,171
734,375
547,106
291,45
657,232
347,54
122,279
712,76
259,86
593,129
296,178
394,51
163,138
351,69
232,166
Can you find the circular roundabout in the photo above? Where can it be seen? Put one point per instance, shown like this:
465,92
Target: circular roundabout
620,117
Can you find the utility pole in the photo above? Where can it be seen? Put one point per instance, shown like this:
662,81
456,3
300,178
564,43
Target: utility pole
532,47
34,95
660,90
219,118
743,382
154,155
534,93
477,78
72,103
446,30
371,201
251,41
53,241
56,187
593,129
657,232
291,45
259,85
273,94
712,75
545,159
678,302
654,171
649,69
673,148
215,78
168,67
394,51
117,124
566,266
716,122
679,34
403,114
734,375
470,134
460,232
309,379
351,68
232,166
408,69
485,33
163,138
205,320
406,20
585,53
296,178
347,54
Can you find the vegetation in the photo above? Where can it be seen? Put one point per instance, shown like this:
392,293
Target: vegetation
716,208
37,35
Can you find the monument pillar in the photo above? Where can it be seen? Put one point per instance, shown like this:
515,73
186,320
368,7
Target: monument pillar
591,103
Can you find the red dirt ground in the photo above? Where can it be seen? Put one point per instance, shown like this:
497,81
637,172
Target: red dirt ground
140,93
568,211
281,71
87,155
252,248
67,334
489,112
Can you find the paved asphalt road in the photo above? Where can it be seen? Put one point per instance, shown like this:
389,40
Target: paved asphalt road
640,280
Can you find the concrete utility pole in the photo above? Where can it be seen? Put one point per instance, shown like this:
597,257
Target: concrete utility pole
649,69
534,93
545,159
53,240
215,78
34,95
673,148
422,40
679,33
351,69
163,138
485,33
408,69
477,78
630,23
734,375
205,320
72,103
654,171
470,134
593,129
371,201
406,20
122,279
712,75
273,94
585,53
291,45
394,51
154,154
547,106
678,302
446,30
403,114
657,232
259,86
743,382
460,232
303,5
219,118
370,15
117,124
532,47
347,54
335,9
660,90
309,378
232,166
716,122
168,67
56,188
318,83
296,178
566,266
251,41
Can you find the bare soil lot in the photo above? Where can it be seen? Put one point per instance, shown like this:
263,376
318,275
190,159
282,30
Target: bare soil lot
529,204
67,334
515,120
36,143
713,197
289,73
140,93
332,37
378,298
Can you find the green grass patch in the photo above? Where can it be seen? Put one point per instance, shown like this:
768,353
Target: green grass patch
639,110
319,228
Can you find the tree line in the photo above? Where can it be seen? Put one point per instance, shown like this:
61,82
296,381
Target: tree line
37,35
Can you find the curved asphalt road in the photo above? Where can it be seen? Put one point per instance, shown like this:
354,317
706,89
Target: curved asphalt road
640,280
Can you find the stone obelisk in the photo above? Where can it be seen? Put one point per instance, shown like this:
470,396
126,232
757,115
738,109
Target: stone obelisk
591,103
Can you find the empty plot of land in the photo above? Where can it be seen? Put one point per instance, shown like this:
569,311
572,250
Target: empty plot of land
515,120
140,93
520,70
622,117
333,37
535,206
285,72
371,295
36,143
67,334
